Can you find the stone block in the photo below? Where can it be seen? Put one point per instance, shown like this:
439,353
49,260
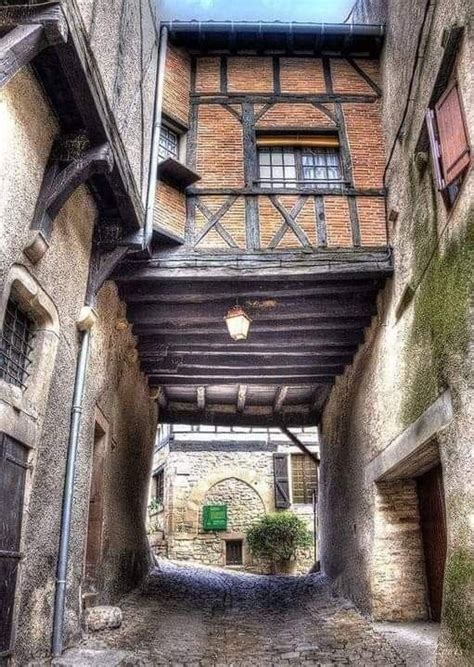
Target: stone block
103,617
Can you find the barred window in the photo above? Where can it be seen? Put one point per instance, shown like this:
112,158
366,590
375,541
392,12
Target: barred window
16,346
169,143
304,478
294,167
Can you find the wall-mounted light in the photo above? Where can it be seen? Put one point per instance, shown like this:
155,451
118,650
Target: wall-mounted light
238,323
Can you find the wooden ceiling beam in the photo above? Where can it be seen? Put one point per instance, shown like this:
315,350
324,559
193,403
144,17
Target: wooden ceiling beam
291,310
185,370
325,335
210,417
201,397
234,379
237,362
149,348
166,292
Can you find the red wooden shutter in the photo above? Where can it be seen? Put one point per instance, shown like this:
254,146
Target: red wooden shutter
282,483
454,144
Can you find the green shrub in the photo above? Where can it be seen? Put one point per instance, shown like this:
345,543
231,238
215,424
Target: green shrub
278,536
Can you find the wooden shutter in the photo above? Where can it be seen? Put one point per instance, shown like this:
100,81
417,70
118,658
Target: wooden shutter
454,144
282,485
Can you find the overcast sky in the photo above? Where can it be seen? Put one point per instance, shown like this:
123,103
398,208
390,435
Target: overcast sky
317,11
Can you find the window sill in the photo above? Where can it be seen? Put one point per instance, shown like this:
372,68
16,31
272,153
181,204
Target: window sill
176,174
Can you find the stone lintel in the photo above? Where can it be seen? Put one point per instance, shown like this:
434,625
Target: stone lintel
412,451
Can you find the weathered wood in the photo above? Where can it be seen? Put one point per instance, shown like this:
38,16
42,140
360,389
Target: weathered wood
241,397
201,397
18,48
72,163
101,265
213,221
320,222
29,30
345,153
223,74
327,335
164,292
179,415
262,112
282,98
249,144
280,397
232,111
191,138
184,370
276,75
325,111
327,75
318,398
254,355
354,218
252,228
228,361
286,310
342,188
256,379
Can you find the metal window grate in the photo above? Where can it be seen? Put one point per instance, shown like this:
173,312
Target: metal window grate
159,478
169,143
287,167
233,552
16,345
304,478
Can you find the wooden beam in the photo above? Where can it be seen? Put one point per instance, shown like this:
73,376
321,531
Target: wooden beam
201,397
28,31
296,441
238,362
150,348
241,397
157,368
218,418
280,397
166,292
255,379
326,334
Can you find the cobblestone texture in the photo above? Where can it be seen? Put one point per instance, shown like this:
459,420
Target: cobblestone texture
199,617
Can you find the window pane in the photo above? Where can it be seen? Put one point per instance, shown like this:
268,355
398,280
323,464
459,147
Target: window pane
277,157
264,157
289,158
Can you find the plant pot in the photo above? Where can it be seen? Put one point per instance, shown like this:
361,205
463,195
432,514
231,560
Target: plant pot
284,566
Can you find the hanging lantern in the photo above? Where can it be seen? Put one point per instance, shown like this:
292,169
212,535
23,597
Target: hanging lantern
238,323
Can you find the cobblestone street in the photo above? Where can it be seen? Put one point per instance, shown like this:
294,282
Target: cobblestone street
201,617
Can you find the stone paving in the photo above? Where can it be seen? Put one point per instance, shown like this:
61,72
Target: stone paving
198,617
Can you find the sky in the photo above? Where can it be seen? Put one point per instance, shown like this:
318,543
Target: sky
317,11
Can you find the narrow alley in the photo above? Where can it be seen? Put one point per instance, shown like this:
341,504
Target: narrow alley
194,616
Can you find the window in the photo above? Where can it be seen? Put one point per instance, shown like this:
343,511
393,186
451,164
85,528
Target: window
312,163
169,143
304,478
449,143
16,347
159,482
233,552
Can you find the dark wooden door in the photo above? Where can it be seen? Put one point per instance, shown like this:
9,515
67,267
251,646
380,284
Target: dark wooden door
13,466
433,530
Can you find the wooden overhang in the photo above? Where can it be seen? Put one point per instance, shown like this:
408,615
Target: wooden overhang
49,37
242,37
308,316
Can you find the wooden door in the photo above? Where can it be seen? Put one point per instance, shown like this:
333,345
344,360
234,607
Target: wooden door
433,530
13,466
96,507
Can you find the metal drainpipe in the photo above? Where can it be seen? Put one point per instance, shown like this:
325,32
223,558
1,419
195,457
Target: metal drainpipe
155,144
74,431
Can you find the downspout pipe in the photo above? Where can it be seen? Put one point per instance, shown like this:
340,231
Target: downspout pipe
66,514
155,142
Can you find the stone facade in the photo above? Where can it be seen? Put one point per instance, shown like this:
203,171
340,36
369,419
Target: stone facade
384,413
235,469
53,291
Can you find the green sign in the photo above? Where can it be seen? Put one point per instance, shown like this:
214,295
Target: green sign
214,517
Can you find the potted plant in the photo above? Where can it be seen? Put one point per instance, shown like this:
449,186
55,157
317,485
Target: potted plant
277,538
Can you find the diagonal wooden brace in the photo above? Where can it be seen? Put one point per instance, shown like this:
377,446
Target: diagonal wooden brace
28,30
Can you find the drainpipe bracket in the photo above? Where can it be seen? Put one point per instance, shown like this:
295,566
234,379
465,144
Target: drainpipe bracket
87,318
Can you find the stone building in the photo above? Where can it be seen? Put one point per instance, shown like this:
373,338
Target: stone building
250,471
156,178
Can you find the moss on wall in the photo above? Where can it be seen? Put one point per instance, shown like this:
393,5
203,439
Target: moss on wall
458,609
439,336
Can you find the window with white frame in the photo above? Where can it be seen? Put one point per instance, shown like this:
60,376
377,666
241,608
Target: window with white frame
169,143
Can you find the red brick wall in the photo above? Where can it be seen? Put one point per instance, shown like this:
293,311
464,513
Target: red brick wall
250,74
372,220
207,75
170,209
345,79
219,148
364,132
302,75
338,225
177,84
233,221
295,115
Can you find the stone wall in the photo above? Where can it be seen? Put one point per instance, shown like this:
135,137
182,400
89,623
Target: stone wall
53,290
416,348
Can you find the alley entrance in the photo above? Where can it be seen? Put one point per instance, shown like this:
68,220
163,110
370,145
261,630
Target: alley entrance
202,616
